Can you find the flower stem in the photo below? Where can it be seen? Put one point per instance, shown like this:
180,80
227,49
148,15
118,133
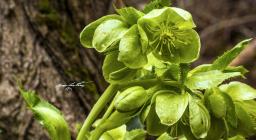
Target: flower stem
100,104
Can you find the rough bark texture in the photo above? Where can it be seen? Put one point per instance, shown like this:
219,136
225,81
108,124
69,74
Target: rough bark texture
39,46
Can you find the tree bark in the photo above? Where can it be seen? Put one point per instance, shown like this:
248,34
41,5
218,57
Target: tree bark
40,48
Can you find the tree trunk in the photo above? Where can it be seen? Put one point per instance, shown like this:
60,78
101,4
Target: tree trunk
40,48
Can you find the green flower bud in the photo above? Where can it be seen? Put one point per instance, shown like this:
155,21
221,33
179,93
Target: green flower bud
131,99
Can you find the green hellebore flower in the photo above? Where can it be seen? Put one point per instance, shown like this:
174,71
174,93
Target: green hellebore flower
169,34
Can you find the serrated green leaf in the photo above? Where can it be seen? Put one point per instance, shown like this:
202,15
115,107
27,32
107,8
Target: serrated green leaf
208,79
170,107
130,49
86,36
239,91
153,124
130,14
223,61
199,118
136,134
207,67
240,69
47,115
107,34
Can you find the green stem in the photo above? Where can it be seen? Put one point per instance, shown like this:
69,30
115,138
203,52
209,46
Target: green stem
149,83
100,104
109,110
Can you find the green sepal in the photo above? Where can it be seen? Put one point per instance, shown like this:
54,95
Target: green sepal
115,71
170,106
130,49
154,126
164,136
108,34
136,134
199,118
217,129
114,134
86,36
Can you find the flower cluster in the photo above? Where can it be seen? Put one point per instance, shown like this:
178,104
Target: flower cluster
132,38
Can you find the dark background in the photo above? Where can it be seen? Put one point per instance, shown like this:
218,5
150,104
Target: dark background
39,46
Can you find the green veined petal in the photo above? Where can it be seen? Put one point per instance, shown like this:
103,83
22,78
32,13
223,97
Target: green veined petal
130,49
199,118
108,33
170,107
86,35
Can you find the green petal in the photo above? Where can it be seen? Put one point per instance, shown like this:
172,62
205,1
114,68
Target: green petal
130,14
181,18
136,134
153,123
186,48
114,134
187,45
115,71
86,35
239,91
187,22
170,107
108,34
48,116
165,136
217,105
130,49
199,119
217,129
